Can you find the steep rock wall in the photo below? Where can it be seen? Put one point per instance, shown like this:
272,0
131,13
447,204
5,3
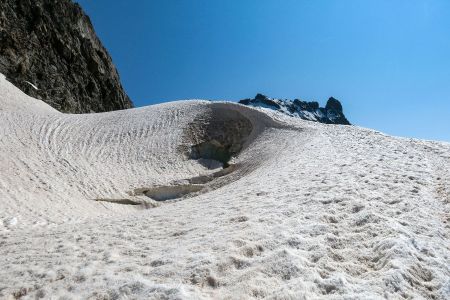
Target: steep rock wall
49,49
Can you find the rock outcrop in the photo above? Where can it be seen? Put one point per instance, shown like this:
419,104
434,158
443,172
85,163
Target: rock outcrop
332,113
48,48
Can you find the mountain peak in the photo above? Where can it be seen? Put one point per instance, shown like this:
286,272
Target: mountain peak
334,104
332,113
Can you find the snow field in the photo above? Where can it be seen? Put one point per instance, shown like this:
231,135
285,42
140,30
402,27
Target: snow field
311,211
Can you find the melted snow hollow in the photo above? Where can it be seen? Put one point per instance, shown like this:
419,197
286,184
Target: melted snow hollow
304,211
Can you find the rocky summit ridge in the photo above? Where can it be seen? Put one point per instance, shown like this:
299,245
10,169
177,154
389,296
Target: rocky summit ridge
332,113
49,49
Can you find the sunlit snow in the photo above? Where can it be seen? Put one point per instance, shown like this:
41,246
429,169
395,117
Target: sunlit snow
304,211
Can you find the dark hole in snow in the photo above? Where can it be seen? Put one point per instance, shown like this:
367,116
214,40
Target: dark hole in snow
192,187
120,201
212,150
218,136
163,193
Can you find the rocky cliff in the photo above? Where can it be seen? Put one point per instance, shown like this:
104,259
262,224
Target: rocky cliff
48,48
332,113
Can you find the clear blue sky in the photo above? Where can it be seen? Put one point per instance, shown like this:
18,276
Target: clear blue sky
387,61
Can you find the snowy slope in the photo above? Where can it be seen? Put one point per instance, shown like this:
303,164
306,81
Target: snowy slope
305,211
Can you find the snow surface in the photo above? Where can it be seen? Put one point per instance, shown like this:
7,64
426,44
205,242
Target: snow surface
310,210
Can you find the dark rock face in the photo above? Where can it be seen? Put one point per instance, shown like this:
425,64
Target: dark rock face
48,49
334,104
331,114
